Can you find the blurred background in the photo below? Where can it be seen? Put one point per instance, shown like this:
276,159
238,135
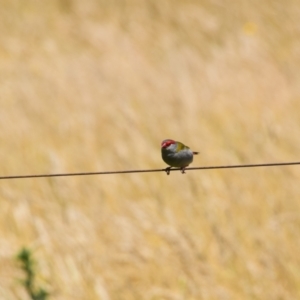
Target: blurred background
96,85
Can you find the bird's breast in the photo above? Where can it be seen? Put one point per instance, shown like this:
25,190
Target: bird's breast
177,159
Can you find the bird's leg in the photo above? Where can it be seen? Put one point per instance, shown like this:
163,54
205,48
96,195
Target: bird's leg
168,170
183,170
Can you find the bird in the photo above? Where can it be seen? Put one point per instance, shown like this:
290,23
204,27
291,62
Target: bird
176,154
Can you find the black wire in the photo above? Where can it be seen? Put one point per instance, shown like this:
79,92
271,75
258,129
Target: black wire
148,171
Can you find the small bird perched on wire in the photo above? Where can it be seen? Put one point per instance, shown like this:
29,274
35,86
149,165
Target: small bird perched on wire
176,154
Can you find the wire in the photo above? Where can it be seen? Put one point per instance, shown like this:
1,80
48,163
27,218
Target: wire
148,171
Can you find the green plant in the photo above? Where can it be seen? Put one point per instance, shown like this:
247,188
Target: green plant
27,264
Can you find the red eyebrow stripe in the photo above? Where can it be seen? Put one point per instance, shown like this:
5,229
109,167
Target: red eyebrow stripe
166,143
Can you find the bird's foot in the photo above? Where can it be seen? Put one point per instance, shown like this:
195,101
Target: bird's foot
183,170
168,170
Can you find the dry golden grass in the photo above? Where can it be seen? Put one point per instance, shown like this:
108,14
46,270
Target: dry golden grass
95,86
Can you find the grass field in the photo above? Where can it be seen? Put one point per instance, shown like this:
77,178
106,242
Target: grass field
96,86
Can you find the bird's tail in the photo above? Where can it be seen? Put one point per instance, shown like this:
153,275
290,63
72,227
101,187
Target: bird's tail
195,152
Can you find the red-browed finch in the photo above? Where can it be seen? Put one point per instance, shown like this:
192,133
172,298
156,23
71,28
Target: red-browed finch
176,154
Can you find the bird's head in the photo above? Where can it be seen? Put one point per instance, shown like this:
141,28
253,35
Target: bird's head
166,143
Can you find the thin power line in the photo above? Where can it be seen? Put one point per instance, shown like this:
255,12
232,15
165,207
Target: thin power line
152,170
